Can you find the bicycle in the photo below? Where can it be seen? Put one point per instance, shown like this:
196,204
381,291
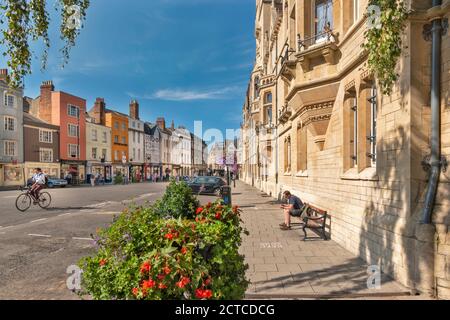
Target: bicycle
24,201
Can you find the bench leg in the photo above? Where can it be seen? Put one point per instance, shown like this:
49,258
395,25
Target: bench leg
306,236
324,234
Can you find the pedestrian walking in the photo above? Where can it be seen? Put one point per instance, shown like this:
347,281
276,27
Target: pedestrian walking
68,178
93,180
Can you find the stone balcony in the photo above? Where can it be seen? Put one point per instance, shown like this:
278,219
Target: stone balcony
323,45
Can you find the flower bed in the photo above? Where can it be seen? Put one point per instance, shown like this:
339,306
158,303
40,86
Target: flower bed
189,253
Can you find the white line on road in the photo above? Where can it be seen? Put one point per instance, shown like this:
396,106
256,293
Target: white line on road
65,214
39,235
38,220
83,239
107,212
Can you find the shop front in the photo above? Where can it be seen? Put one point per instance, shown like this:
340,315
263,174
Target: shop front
11,175
153,172
120,170
73,172
103,169
137,173
49,169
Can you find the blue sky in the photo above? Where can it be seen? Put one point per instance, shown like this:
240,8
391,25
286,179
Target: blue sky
185,60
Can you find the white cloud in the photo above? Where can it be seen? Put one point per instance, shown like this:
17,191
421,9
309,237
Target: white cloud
177,94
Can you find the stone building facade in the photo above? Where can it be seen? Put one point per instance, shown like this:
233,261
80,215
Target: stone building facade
41,146
316,123
136,142
11,133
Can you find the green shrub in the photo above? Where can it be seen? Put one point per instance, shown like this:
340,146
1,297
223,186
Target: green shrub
178,201
143,256
118,179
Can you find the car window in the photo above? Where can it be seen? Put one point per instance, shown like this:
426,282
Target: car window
206,180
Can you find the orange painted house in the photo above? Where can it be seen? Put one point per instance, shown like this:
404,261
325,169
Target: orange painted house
69,113
118,122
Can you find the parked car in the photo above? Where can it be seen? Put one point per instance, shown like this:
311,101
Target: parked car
207,185
52,182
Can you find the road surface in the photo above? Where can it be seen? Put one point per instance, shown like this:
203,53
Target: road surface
37,247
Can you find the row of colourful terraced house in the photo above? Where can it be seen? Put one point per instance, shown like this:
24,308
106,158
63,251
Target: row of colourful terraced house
57,133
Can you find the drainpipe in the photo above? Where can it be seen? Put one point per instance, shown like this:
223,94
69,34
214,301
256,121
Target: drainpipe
435,160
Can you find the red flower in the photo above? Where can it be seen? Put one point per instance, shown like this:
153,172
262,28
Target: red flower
169,236
102,262
148,284
218,215
199,210
161,276
145,267
235,209
167,270
135,291
162,286
207,282
184,281
184,250
203,294
208,205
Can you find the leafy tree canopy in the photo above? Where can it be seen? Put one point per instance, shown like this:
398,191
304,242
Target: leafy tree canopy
24,21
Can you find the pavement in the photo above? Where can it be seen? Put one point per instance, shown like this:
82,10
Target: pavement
283,266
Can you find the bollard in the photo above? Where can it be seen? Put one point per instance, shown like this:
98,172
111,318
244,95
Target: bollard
225,193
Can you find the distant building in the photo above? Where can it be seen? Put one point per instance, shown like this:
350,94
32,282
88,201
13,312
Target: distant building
11,134
182,151
152,147
136,142
118,122
69,113
166,147
98,142
41,146
198,147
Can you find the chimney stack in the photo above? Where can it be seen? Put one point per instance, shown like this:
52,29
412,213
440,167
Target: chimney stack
3,74
134,110
172,125
161,122
45,103
100,111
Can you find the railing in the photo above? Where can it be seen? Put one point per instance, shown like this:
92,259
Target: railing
327,36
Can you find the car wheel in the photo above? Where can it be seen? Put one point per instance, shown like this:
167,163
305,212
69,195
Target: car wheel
217,192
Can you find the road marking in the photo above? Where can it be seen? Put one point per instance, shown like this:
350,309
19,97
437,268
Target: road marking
65,214
39,235
83,239
38,220
107,212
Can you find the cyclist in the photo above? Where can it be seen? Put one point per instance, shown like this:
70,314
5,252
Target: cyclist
39,182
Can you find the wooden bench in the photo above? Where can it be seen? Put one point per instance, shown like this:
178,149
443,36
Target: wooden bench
315,219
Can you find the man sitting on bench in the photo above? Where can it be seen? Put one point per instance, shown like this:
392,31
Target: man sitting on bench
294,207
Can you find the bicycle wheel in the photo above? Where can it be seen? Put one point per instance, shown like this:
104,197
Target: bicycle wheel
23,202
45,199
